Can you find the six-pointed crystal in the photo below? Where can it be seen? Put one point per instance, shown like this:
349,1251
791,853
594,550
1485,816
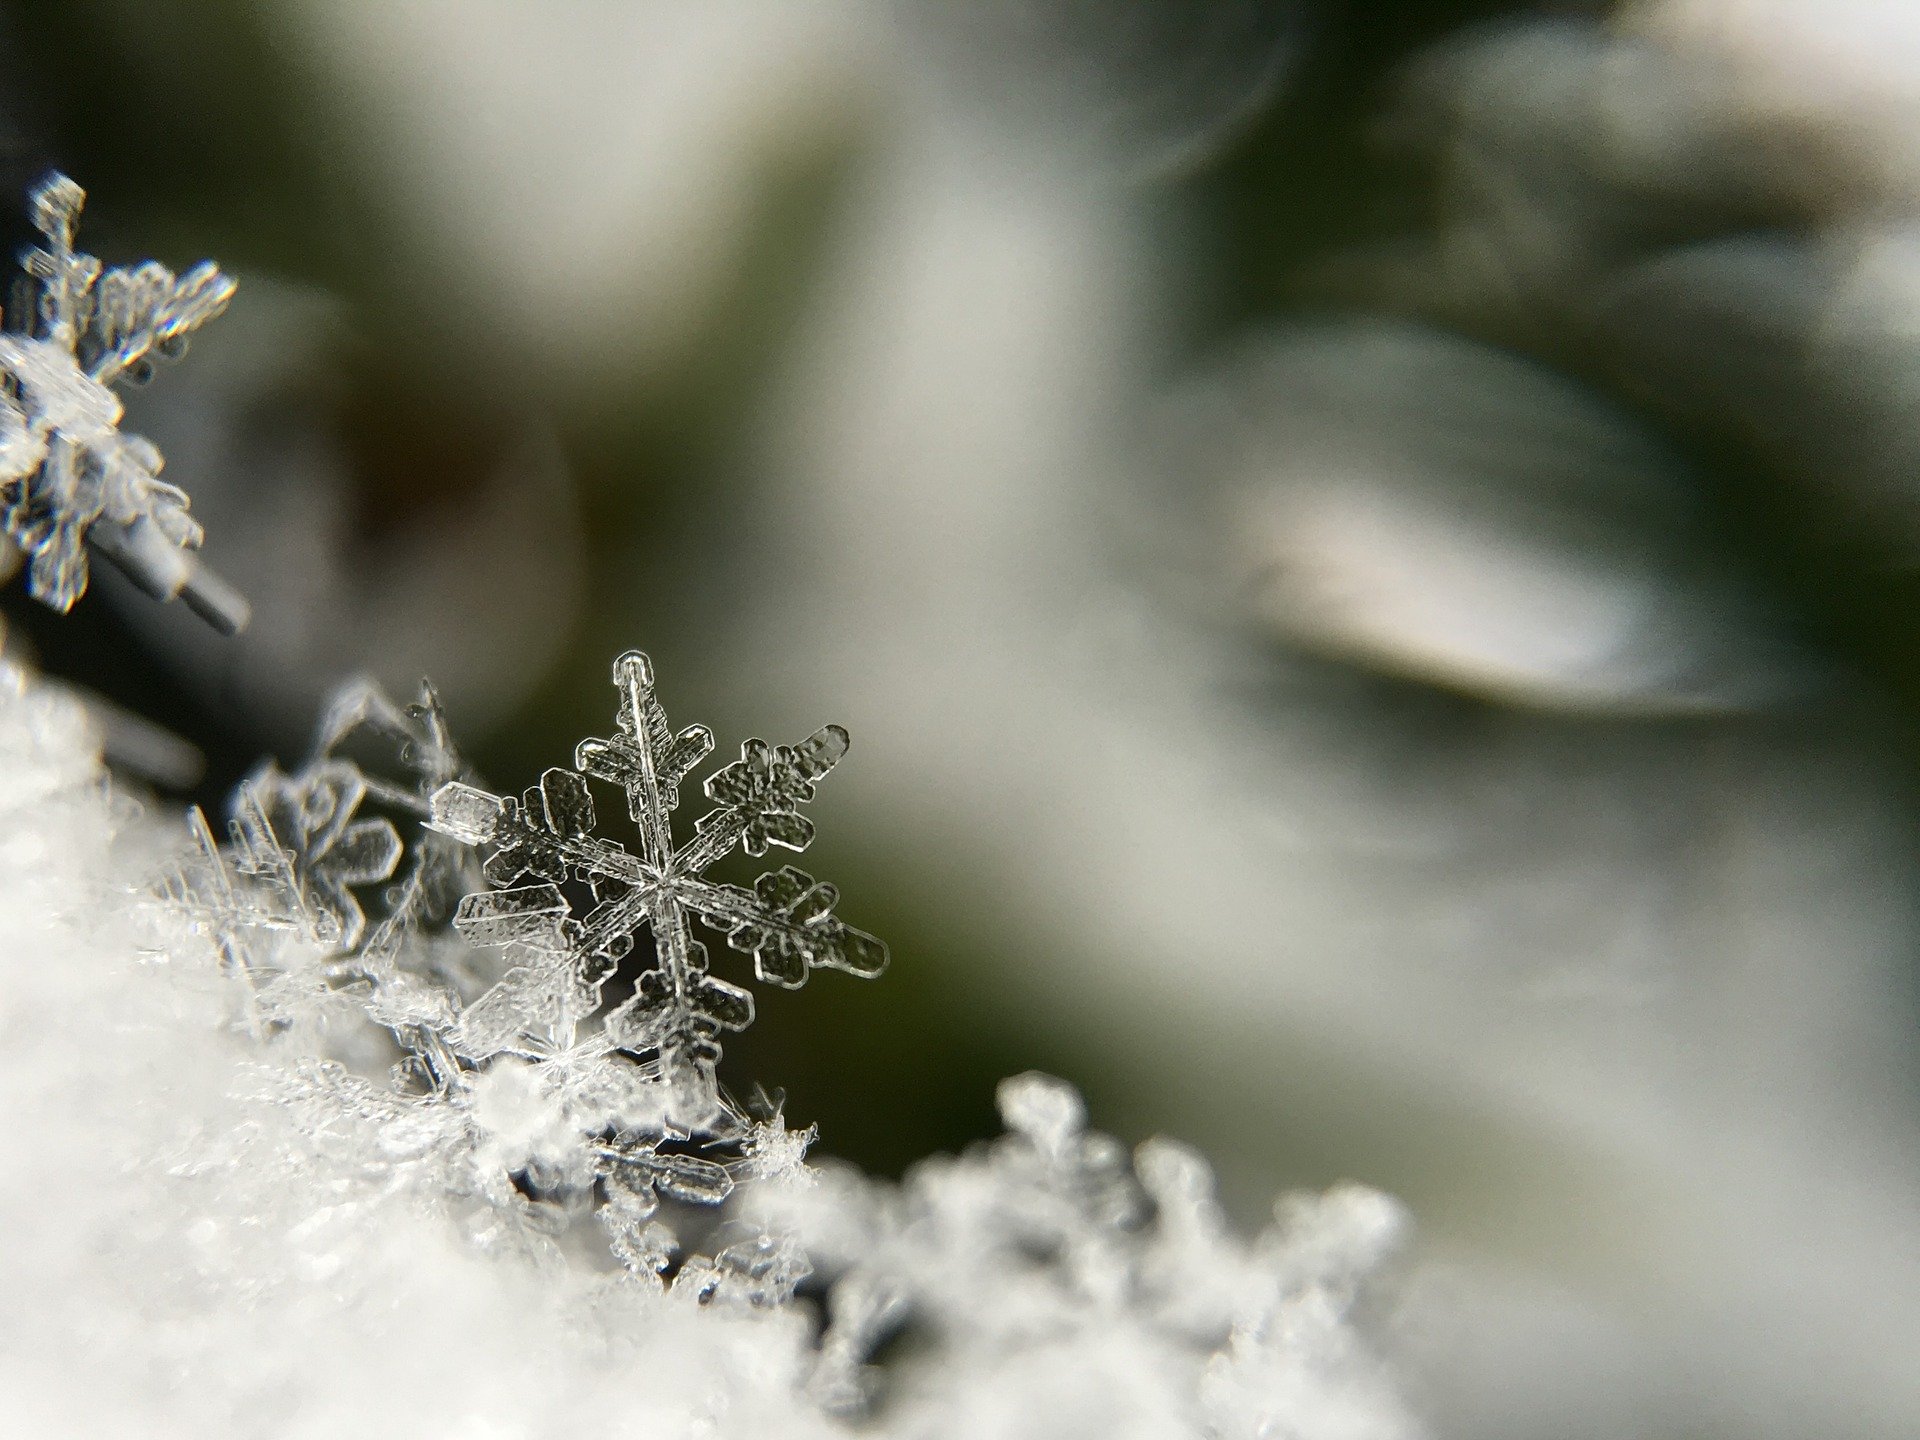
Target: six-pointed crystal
546,838
302,834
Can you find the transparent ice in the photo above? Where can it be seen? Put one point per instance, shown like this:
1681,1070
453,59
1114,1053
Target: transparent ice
316,846
70,478
352,902
547,837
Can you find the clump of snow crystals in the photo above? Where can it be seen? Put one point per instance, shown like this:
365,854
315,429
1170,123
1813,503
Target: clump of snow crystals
226,1215
70,477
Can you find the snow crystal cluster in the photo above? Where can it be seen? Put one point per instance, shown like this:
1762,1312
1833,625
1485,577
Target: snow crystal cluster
398,1110
470,1018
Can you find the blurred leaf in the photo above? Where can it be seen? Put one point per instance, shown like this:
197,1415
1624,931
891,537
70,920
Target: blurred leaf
1423,504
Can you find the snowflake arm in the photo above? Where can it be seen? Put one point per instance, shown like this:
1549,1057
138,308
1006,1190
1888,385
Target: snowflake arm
69,477
787,924
224,911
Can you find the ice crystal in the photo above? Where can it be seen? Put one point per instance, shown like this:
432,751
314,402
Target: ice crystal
346,915
291,891
69,476
303,835
546,837
1051,1261
409,755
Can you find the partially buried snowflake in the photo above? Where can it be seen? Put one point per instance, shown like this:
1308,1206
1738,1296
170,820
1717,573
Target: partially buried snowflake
546,839
70,478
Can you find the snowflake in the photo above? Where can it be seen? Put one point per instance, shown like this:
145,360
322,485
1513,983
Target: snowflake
221,906
546,838
69,476
303,835
560,1116
285,902
413,740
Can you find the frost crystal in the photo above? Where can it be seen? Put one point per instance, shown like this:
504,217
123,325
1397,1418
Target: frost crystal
304,834
546,838
69,476
351,920
1050,1267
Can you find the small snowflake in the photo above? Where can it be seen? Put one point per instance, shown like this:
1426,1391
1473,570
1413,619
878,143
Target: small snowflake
413,742
546,838
289,902
303,834
69,476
